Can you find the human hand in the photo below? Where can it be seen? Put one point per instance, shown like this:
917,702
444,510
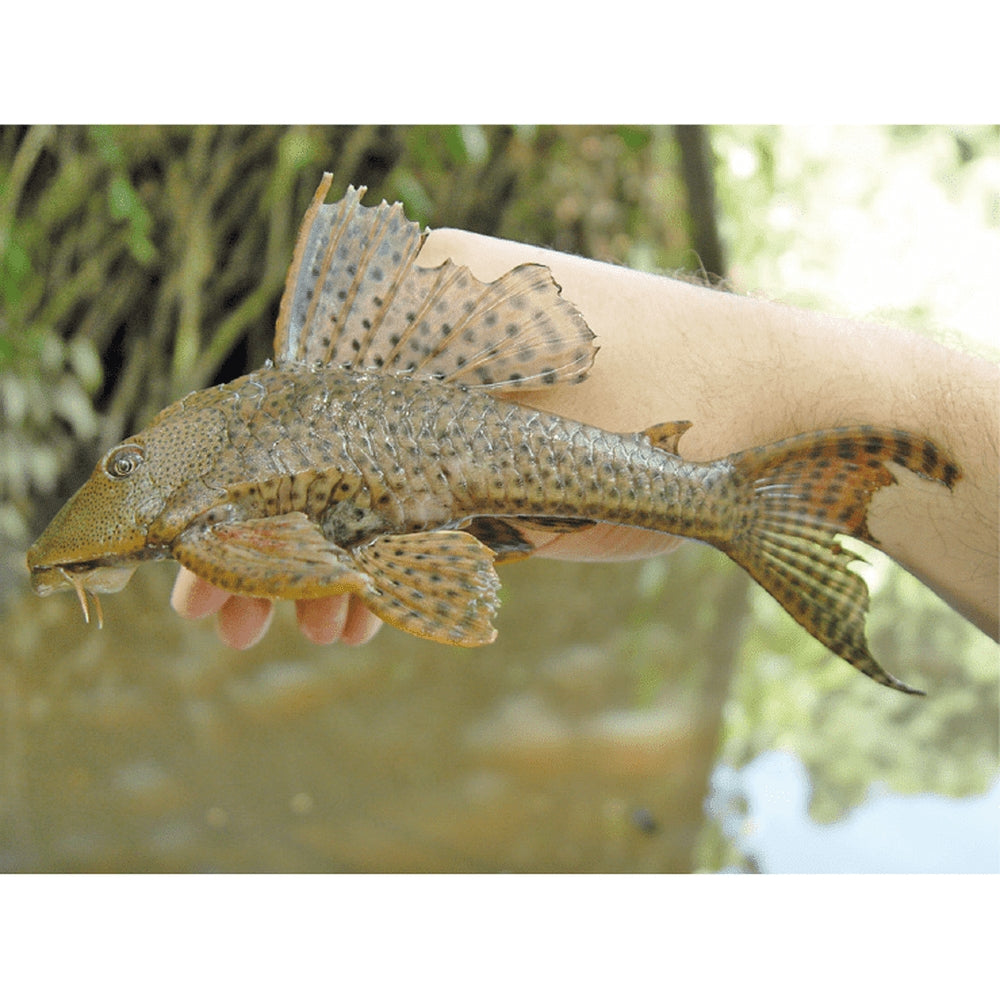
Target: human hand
243,621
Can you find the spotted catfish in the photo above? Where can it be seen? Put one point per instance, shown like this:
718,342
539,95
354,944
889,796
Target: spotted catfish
376,457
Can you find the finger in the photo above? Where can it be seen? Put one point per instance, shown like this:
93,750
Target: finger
361,624
194,598
322,619
603,543
244,620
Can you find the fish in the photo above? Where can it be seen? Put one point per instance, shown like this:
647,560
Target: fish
389,451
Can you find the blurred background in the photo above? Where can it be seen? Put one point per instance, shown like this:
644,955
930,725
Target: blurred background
656,716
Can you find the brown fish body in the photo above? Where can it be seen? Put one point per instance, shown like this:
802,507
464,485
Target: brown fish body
375,457
365,455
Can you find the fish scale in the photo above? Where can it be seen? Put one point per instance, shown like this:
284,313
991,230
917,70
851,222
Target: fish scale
376,457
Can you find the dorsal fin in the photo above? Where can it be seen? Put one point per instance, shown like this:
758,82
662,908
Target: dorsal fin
355,297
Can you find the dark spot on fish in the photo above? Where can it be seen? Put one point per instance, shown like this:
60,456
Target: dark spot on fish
342,295
445,329
351,269
378,300
904,447
366,323
355,345
376,273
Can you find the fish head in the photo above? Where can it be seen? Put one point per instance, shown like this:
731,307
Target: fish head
115,520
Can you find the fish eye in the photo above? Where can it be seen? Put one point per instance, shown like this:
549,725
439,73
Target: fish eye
122,461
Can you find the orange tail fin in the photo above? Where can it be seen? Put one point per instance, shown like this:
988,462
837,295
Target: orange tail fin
801,493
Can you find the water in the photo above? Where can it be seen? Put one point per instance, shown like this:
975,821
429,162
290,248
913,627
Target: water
581,741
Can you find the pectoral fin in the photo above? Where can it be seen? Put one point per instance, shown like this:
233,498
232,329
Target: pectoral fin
286,556
439,585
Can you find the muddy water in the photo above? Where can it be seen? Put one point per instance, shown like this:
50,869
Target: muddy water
581,741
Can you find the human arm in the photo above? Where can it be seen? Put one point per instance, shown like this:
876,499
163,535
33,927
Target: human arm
747,371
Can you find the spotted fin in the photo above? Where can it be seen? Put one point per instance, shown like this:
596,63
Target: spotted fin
355,297
796,497
285,556
438,585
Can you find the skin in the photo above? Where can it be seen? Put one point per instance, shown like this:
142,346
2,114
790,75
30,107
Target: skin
746,372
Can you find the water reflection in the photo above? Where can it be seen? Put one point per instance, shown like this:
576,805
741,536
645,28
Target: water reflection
583,740
763,809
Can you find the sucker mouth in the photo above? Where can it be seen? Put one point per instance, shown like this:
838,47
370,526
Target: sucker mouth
84,578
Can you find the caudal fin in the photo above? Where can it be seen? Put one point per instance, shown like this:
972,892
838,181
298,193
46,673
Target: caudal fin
801,493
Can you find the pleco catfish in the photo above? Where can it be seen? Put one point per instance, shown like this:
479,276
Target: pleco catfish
374,457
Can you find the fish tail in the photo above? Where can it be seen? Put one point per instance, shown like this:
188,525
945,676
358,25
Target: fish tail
797,496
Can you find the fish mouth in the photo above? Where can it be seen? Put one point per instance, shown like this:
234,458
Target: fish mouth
84,578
